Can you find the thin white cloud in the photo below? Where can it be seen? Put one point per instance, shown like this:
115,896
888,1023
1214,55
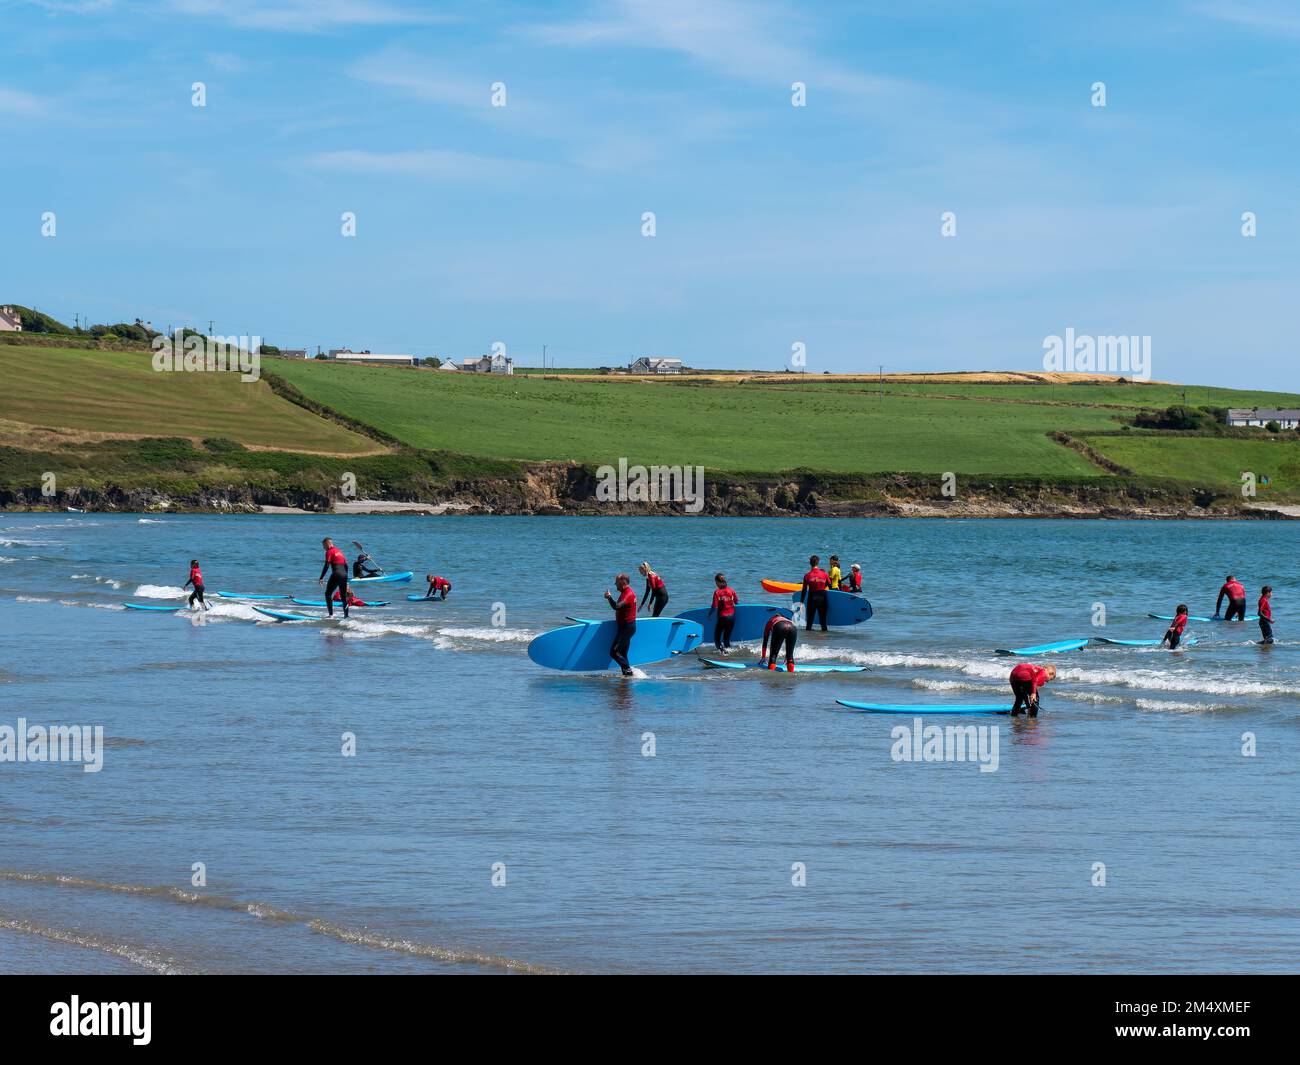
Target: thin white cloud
753,41
306,16
1266,18
418,77
20,104
423,163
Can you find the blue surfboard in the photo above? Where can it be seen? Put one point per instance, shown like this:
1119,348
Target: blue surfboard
799,667
1199,617
918,708
241,595
390,578
842,608
751,619
586,646
168,609
321,603
284,615
1044,648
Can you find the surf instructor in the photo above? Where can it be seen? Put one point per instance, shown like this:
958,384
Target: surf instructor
1235,592
336,565
624,608
813,593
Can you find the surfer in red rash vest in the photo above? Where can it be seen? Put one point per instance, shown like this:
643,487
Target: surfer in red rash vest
336,565
437,585
1026,679
1174,634
625,617
656,592
1266,614
1235,592
780,631
196,579
724,602
815,583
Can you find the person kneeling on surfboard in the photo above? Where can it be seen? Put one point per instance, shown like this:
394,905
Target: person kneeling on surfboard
196,579
1235,592
437,584
656,592
1266,614
1174,634
625,615
780,631
853,582
815,582
1026,679
361,569
724,602
336,565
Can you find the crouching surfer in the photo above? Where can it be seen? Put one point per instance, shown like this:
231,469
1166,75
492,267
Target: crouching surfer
196,579
1026,679
779,632
724,602
1235,592
656,592
336,565
438,586
1174,634
625,621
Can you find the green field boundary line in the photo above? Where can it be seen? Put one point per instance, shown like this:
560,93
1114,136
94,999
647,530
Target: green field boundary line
1091,454
290,393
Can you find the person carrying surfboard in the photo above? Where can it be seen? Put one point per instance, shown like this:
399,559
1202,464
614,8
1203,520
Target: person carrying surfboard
656,592
196,579
724,602
1026,679
437,585
336,565
1174,634
813,593
1266,614
853,581
780,632
1235,593
835,573
625,617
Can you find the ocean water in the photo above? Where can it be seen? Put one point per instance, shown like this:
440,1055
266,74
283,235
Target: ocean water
223,737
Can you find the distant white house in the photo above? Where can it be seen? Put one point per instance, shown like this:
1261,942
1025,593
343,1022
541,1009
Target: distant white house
293,353
489,364
1245,416
653,364
370,358
9,321
448,364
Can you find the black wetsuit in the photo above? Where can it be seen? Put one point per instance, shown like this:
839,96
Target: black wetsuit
722,631
338,582
197,594
783,634
816,607
360,569
655,598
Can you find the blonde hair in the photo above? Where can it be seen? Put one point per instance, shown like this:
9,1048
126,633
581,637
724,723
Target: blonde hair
645,568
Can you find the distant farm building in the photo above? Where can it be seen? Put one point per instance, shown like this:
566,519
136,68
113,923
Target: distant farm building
370,358
9,321
1261,416
293,353
653,364
489,364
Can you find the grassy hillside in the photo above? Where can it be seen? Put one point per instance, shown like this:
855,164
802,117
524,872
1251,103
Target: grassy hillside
1208,460
120,393
723,426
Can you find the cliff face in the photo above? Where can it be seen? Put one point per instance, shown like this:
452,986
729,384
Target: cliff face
570,488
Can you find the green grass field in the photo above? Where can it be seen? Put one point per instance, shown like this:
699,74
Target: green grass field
119,392
1209,460
721,426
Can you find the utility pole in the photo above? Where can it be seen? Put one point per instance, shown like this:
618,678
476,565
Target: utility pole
882,382
543,356
209,327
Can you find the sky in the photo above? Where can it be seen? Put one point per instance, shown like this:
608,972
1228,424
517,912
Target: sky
774,225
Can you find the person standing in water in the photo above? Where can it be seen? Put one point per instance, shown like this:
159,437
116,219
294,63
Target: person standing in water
1174,634
437,585
724,602
835,573
1235,593
336,565
1026,679
813,593
625,619
656,592
780,632
853,582
1266,614
196,579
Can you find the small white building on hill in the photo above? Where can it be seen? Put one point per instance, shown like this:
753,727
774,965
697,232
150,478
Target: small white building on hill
656,365
1261,416
489,364
370,358
9,321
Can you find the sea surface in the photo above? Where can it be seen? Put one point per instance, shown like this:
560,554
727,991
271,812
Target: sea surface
500,817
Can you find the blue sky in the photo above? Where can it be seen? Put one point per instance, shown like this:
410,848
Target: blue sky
775,224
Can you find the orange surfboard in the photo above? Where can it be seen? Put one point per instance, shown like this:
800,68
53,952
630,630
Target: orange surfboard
781,586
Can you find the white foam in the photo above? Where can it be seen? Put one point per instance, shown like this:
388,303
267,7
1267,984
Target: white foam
369,630
31,599
151,521
93,606
1177,707
489,634
98,580
160,591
